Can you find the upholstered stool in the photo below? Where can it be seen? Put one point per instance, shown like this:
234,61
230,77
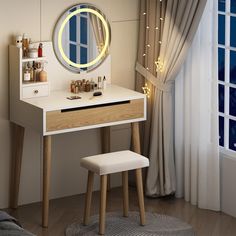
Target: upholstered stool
109,163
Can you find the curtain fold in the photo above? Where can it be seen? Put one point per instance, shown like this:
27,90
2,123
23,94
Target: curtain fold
98,30
166,31
196,118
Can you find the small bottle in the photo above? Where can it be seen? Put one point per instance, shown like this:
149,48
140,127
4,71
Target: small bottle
31,45
38,68
92,85
87,86
79,83
31,71
40,50
72,86
34,72
25,45
104,83
83,85
26,75
99,82
43,75
76,89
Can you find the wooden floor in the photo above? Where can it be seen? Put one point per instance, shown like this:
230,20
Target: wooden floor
70,209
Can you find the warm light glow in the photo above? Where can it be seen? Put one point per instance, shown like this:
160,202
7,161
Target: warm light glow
146,90
106,44
159,65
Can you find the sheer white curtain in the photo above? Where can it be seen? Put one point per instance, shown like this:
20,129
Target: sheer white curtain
196,120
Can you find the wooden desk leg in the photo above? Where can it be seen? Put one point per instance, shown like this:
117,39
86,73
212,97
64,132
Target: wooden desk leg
106,148
17,150
136,137
46,178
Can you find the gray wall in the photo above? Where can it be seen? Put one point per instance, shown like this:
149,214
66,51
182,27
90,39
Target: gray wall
37,18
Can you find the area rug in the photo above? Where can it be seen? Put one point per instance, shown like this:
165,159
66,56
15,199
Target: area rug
116,224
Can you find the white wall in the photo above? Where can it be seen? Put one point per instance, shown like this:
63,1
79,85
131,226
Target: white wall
37,18
228,187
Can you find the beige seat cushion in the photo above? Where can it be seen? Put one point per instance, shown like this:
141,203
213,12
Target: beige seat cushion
114,162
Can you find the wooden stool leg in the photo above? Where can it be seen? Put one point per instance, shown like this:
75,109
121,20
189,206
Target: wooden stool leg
88,197
106,148
125,193
103,196
46,177
139,182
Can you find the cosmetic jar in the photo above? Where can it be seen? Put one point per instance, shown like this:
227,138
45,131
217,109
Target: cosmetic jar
33,53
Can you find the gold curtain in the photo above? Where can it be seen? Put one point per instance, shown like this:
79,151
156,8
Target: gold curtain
166,30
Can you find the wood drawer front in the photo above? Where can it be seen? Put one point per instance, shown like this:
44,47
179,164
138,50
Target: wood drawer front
106,113
35,91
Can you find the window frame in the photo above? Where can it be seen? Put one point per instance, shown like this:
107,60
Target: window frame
78,43
226,83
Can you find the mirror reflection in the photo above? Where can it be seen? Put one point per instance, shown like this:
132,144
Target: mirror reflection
81,38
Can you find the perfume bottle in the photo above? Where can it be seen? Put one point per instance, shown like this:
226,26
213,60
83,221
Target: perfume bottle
31,70
104,83
99,82
26,74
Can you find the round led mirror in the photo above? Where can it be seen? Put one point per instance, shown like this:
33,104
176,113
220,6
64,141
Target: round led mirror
81,38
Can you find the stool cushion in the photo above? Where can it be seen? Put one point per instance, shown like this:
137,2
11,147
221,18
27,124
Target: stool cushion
114,162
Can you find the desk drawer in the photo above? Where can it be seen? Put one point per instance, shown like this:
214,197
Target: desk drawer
94,115
35,91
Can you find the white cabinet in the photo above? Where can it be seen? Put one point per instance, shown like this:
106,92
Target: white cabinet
18,87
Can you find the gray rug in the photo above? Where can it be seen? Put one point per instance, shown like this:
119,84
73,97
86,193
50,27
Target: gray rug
159,225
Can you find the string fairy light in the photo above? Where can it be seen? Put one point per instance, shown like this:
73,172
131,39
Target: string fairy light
146,90
159,65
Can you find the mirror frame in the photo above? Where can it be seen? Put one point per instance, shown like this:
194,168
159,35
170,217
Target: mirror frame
58,30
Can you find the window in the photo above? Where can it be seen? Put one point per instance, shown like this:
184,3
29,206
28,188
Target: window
227,73
79,47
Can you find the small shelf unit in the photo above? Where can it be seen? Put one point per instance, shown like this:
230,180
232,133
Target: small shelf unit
19,88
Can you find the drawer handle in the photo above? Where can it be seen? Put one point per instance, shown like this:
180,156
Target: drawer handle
36,91
95,106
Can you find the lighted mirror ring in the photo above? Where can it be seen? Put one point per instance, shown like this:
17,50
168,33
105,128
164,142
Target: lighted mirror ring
57,35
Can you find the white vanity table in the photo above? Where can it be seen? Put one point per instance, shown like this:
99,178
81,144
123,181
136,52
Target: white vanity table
55,114
80,50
